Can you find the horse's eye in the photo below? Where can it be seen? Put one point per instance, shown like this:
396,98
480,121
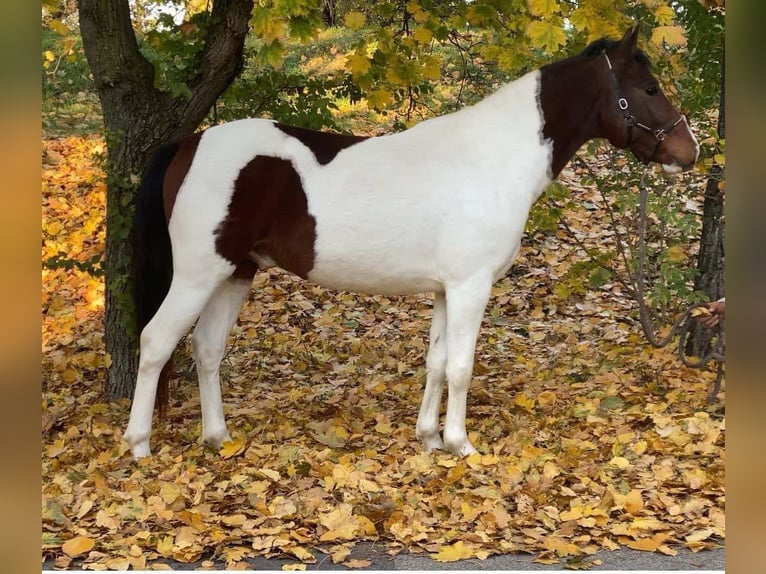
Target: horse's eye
652,91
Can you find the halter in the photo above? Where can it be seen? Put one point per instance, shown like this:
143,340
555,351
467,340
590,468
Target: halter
630,120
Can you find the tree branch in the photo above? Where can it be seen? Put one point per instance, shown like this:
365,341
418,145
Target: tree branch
119,69
220,62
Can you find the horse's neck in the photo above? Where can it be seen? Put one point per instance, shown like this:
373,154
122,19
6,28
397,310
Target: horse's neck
570,103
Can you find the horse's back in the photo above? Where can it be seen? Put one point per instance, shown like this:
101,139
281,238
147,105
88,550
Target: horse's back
401,213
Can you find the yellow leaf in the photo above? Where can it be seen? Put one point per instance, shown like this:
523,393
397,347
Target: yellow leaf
293,566
453,552
646,544
546,398
118,564
648,524
366,485
340,554
696,478
378,100
357,64
432,70
49,56
667,550
59,27
634,501
446,462
275,30
699,535
365,525
546,35
525,402
544,8
301,554
78,545
232,447
550,470
676,253
670,35
417,11
423,35
56,448
561,547
620,462
355,20
700,311
356,563
340,524
664,15
573,514
272,475
169,491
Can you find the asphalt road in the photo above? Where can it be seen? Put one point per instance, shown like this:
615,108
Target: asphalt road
617,560
622,559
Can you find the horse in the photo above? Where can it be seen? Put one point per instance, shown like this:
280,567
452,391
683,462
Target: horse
440,208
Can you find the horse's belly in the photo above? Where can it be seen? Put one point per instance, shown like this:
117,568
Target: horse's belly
373,270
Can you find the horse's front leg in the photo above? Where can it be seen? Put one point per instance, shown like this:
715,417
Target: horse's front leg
465,307
427,428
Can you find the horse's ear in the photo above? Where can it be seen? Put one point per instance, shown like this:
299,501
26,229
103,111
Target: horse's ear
630,40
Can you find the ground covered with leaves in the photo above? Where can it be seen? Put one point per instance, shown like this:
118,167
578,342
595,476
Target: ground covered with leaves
587,437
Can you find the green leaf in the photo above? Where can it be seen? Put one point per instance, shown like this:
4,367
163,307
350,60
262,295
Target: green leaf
272,54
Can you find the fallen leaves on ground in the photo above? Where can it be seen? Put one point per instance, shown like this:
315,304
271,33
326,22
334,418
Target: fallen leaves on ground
587,438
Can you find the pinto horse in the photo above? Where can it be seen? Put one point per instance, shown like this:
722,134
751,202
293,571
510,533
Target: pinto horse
440,207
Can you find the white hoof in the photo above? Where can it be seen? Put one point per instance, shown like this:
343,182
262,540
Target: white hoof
139,445
215,440
461,447
432,443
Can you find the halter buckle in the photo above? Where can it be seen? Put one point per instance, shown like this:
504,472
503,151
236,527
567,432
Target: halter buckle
630,120
623,103
660,134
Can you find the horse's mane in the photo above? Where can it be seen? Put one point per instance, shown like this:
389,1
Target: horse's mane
598,47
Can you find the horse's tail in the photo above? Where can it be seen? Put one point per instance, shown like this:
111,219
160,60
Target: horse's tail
152,255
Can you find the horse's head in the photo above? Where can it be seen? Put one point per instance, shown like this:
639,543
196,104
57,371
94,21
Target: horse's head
637,114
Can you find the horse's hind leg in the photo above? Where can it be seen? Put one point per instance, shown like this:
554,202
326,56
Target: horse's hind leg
209,345
427,428
185,300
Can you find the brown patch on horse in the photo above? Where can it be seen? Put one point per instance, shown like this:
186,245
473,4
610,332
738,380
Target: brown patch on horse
177,170
268,216
324,145
566,95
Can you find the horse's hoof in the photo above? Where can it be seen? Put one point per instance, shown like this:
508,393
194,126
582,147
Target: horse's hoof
433,443
215,442
460,448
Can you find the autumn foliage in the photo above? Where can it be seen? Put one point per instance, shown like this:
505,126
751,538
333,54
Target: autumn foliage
587,438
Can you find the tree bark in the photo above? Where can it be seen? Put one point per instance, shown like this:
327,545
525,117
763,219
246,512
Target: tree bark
137,118
710,261
328,12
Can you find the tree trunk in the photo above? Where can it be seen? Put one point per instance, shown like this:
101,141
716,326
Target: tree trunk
328,12
137,118
710,262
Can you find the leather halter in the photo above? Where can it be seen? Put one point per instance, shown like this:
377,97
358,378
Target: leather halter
630,120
